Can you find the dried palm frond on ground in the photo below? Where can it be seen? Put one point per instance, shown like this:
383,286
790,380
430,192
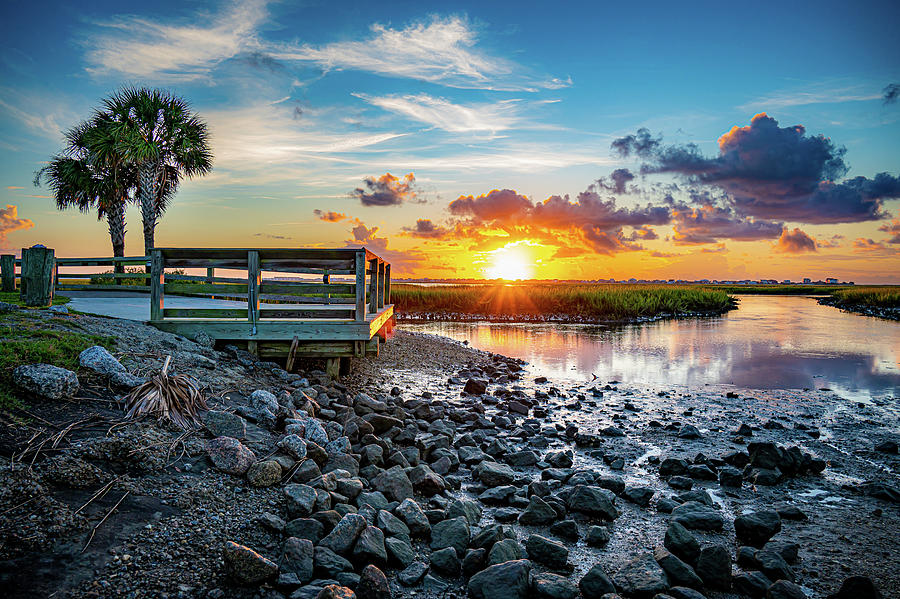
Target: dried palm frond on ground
176,398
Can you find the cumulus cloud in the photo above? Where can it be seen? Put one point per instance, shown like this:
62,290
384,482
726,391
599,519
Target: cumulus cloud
795,242
10,222
402,262
771,172
870,246
708,223
387,190
891,93
426,229
892,229
330,217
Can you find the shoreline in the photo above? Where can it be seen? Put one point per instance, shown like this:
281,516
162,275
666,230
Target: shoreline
541,438
861,309
420,317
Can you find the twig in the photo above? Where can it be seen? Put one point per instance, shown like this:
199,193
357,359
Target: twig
93,530
102,491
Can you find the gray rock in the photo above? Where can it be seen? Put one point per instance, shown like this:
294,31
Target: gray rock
548,552
595,583
641,577
394,483
639,495
264,474
467,508
752,584
391,524
597,536
565,529
328,563
225,424
230,455
857,587
294,446
264,400
301,499
697,516
553,586
538,512
373,584
400,550
689,431
756,528
509,580
785,589
246,565
46,381
412,574
494,474
678,572
411,513
297,557
305,528
593,501
99,360
369,546
682,543
451,533
504,550
714,567
446,561
344,534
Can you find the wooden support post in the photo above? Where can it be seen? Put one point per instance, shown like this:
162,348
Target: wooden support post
8,272
210,273
381,270
157,280
387,284
38,266
333,367
373,286
326,279
360,286
253,347
289,366
254,277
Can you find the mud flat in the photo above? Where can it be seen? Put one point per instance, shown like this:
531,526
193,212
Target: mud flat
439,470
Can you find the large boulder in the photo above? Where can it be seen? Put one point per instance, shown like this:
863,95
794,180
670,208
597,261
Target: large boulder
593,501
344,535
230,455
641,577
697,516
451,533
394,484
46,381
595,583
509,580
100,361
246,565
297,557
412,514
225,424
548,552
494,474
756,528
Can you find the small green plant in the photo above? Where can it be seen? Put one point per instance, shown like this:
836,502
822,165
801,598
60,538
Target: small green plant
13,297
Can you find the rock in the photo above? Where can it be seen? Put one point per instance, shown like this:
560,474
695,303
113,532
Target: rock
446,560
756,528
328,563
394,483
369,546
494,474
466,508
882,491
887,447
301,499
752,584
425,481
294,446
714,567
451,533
548,552
246,565
689,431
297,557
785,589
593,501
474,561
773,565
682,543
503,551
553,586
99,360
305,528
791,512
641,577
566,529
521,459
381,423
344,534
729,476
400,550
410,512
6,307
225,424
475,387
509,580
672,466
697,516
639,495
230,455
373,584
597,536
412,574
538,512
857,587
46,381
678,572
335,591
684,593
595,583
264,474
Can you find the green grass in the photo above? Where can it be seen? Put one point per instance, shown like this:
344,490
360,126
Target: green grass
12,297
587,302
778,289
26,339
875,297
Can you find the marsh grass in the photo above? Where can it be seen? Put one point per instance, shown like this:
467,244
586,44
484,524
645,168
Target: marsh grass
26,339
577,301
876,297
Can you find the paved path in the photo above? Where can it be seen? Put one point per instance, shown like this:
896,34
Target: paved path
134,305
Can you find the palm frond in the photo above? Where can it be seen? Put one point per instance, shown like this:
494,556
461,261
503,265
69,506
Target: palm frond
174,398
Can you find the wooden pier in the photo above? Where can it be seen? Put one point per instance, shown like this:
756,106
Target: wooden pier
325,303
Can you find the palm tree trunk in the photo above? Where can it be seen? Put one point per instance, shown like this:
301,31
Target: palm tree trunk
149,182
115,220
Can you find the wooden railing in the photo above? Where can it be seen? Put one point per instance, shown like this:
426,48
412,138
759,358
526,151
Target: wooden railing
65,280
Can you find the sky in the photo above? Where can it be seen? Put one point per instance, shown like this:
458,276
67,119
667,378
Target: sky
571,140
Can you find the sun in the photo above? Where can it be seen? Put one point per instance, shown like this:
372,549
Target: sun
511,263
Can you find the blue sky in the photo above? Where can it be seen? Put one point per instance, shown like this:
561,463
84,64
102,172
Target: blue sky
307,100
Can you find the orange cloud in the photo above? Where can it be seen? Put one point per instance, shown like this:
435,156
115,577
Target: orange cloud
10,221
795,242
387,190
331,217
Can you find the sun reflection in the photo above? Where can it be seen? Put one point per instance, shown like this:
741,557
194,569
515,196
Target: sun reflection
511,262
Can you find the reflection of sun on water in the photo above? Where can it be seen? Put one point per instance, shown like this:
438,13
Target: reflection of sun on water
511,262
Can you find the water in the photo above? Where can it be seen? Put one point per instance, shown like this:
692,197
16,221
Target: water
770,342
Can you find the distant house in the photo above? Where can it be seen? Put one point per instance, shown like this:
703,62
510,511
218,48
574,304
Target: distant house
807,281
831,281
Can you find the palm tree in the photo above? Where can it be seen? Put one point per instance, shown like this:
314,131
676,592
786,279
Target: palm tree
157,133
86,177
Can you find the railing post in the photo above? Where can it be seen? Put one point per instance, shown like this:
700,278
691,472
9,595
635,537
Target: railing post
157,282
387,284
254,277
381,270
38,266
210,273
360,285
326,279
8,272
373,286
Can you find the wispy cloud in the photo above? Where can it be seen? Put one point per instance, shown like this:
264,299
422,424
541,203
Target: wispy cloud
444,114
150,49
819,94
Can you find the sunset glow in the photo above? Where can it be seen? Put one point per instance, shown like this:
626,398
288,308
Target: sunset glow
511,263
